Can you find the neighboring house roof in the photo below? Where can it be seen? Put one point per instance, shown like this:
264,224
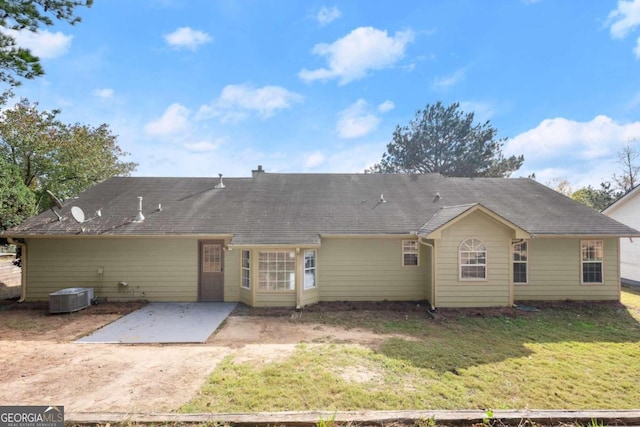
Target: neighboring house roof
622,200
299,208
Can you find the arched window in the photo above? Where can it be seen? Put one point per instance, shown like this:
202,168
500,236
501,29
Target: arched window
473,260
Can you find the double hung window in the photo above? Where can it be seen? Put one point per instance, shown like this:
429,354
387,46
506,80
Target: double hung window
520,259
592,256
473,260
309,269
410,252
246,269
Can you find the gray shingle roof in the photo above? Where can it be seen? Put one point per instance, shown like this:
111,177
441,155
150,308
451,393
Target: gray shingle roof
443,216
299,208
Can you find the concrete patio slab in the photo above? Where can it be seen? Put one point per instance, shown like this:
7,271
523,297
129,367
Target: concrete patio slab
164,323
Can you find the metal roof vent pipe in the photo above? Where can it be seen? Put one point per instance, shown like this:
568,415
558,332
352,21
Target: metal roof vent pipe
221,184
140,216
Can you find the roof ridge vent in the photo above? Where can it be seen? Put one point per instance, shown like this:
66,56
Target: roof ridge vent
221,184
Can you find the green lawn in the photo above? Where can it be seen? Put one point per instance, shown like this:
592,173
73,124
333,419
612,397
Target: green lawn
573,356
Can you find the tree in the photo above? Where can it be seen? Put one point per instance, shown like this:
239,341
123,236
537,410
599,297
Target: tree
627,159
50,155
445,140
562,186
17,202
598,199
18,15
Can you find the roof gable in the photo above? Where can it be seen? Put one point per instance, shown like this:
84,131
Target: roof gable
447,216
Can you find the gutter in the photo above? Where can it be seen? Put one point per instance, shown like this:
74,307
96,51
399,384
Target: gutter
23,276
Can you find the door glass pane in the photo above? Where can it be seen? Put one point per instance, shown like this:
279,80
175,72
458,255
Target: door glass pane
211,259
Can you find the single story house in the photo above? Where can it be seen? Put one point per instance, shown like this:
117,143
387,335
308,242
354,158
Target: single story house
276,239
627,211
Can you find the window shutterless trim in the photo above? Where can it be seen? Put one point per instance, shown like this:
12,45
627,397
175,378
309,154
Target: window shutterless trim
597,245
245,271
477,247
525,263
407,250
313,269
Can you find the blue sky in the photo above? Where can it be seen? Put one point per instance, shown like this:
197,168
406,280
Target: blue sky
197,88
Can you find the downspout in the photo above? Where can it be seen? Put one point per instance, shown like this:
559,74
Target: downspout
23,275
432,299
299,279
512,291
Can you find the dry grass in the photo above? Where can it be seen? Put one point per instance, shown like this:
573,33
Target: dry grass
566,356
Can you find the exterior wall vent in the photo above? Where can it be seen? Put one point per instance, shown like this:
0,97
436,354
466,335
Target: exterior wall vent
70,299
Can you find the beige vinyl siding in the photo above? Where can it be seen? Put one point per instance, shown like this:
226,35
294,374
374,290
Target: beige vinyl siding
246,296
310,296
368,269
156,269
555,272
426,260
232,276
490,292
276,299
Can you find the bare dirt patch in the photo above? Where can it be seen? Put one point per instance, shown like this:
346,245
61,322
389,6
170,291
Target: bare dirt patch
42,364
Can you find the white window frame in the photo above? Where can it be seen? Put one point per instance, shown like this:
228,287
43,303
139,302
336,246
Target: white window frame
598,258
245,276
520,261
470,246
410,247
270,279
310,271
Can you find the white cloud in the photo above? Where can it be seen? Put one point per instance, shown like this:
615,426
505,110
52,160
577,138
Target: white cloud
174,120
187,38
103,93
327,15
563,138
448,81
363,49
42,44
202,146
624,18
236,102
585,153
314,159
386,106
355,158
357,120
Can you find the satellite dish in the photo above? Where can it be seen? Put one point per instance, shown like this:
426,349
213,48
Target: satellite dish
56,202
77,214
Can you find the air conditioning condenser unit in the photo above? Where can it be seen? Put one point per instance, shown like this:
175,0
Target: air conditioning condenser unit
70,299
